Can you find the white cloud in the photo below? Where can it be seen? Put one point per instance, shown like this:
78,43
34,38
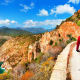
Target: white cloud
7,22
30,23
43,12
7,2
32,4
52,23
27,7
60,9
74,1
13,21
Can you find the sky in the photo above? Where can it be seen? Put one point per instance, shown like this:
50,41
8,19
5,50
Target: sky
36,13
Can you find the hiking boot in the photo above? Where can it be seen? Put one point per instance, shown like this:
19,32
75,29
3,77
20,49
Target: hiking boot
77,50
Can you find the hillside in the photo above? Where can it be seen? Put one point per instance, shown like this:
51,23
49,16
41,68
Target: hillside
36,30
3,39
37,54
13,32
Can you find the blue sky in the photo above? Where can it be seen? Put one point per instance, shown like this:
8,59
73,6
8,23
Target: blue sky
36,13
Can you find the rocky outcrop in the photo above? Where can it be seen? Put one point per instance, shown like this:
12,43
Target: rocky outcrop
42,45
65,29
5,37
33,51
7,66
69,28
12,52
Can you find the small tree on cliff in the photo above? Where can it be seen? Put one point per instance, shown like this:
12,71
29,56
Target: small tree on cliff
51,42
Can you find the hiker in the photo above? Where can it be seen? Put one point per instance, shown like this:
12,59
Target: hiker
78,43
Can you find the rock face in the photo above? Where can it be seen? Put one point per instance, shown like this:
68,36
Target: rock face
33,51
66,28
69,28
6,66
13,52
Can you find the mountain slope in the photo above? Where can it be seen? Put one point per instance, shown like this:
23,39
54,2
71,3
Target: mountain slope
35,30
13,32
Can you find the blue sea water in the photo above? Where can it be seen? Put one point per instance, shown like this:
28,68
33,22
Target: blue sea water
1,69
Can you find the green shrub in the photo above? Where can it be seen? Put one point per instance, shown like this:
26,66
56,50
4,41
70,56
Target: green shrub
59,35
57,26
68,41
55,44
51,42
78,23
60,39
38,38
78,16
69,35
38,58
70,19
2,41
5,76
73,39
62,22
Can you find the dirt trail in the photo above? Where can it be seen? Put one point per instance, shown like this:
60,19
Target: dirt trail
75,65
68,62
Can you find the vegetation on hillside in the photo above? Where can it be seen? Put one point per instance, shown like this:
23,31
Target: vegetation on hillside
70,38
2,41
51,42
75,18
13,32
78,23
27,75
5,75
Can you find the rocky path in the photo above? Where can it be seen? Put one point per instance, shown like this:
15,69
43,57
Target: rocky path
68,62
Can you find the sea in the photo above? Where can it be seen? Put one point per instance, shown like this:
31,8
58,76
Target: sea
1,69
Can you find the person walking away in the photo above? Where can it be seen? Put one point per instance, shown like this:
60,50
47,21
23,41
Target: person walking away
78,43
